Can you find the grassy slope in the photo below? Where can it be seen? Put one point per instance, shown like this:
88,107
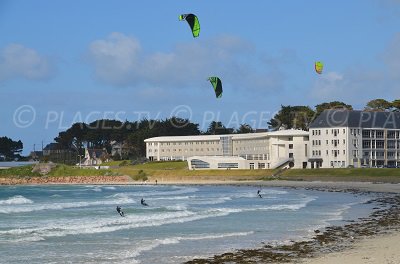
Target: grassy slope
60,170
18,171
343,172
178,171
364,174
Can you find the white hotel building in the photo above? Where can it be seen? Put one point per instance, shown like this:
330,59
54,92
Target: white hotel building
266,150
336,139
343,138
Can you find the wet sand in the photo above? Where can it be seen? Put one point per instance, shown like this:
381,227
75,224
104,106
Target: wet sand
381,249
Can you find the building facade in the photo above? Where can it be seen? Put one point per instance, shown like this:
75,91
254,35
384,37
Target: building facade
343,138
234,151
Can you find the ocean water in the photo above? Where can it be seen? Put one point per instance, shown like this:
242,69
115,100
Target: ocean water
80,224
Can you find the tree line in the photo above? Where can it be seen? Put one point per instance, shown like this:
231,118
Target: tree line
10,149
300,117
101,134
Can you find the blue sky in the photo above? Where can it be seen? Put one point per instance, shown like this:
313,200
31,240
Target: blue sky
68,61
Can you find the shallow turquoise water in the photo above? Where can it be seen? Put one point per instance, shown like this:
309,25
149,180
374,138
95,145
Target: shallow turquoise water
79,224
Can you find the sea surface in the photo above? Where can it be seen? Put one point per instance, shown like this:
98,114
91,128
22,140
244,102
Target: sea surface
11,164
80,224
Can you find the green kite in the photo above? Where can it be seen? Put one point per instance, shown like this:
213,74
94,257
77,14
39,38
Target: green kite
217,84
319,67
193,22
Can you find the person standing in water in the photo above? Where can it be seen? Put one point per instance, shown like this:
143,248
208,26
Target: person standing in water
259,194
119,210
143,202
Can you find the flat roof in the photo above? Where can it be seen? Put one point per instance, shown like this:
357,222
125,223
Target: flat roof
218,158
288,132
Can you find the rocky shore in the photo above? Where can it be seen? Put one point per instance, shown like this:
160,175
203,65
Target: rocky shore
383,220
66,180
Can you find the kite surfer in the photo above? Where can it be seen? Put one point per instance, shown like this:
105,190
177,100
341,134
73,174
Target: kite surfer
259,194
119,210
143,202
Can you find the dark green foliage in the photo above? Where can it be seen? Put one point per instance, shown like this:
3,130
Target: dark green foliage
101,133
9,148
244,128
378,105
298,117
141,175
217,128
331,105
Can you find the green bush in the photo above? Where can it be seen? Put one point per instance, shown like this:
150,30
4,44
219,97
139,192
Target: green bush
141,175
124,163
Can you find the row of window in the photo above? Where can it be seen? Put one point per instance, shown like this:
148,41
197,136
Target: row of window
185,150
196,163
255,156
210,149
206,142
167,158
335,142
335,164
335,132
380,154
354,131
249,141
251,148
228,165
334,152
373,133
188,143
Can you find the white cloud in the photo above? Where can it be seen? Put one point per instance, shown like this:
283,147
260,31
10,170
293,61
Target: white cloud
119,60
18,61
115,59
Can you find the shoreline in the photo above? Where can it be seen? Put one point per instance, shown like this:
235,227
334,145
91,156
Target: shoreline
333,243
369,240
333,185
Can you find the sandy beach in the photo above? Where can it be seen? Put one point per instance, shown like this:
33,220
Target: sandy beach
382,249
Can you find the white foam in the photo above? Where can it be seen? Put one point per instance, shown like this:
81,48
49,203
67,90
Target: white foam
174,198
60,206
17,199
252,194
177,207
278,207
92,226
211,200
151,244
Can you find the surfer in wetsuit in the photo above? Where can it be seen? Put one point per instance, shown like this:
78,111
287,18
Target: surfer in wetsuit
120,211
259,194
143,202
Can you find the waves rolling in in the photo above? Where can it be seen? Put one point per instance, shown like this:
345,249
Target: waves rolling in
208,219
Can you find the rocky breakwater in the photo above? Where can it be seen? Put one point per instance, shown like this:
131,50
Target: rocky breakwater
66,180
